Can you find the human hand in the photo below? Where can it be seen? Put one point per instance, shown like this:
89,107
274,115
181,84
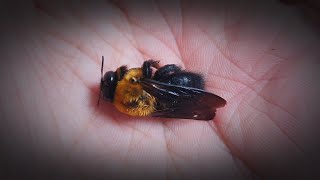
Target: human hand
260,58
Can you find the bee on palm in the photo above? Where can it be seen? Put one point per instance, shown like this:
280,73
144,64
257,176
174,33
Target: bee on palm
169,92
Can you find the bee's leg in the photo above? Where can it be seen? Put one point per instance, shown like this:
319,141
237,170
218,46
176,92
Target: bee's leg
165,71
147,67
121,71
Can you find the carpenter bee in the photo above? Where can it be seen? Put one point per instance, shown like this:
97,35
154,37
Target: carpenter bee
169,92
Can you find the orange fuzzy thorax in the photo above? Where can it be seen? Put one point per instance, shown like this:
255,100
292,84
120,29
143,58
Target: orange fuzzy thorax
130,98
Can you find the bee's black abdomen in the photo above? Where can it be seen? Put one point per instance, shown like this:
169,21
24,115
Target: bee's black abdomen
166,71
172,74
187,79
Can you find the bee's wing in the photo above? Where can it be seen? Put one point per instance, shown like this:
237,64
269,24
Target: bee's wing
182,102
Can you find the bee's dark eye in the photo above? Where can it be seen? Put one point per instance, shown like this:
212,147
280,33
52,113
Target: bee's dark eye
108,85
109,78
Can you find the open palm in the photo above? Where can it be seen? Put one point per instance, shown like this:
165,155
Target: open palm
259,62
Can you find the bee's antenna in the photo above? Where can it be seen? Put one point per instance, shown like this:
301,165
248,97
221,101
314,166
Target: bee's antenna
101,80
102,67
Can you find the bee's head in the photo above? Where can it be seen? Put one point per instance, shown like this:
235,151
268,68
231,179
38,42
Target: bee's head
108,84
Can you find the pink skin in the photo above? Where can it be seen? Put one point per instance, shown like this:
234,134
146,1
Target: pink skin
260,58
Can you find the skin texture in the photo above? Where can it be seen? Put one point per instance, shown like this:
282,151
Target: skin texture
263,58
